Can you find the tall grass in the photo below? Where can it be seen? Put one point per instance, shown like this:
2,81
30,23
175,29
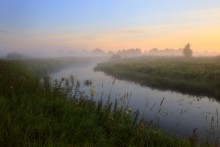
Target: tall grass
57,113
199,76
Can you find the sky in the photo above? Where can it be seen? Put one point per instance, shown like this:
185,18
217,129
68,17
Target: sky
57,26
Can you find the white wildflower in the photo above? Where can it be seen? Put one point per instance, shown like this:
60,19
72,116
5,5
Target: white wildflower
128,111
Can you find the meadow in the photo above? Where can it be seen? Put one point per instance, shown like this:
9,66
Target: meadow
56,113
198,76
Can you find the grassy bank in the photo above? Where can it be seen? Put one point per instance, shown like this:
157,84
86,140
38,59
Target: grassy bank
47,114
199,76
45,66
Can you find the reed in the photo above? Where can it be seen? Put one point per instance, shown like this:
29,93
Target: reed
57,113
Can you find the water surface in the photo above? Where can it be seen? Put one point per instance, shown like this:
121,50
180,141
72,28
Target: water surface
178,113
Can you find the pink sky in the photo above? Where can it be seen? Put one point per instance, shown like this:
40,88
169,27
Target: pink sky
51,26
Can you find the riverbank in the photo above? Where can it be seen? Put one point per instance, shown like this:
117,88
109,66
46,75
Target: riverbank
47,114
198,76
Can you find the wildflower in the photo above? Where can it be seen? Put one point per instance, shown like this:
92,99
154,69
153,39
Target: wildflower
92,91
128,111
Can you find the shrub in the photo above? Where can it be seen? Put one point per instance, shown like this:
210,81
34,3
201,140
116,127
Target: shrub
187,51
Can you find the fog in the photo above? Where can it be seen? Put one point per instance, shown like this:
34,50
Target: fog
132,52
161,58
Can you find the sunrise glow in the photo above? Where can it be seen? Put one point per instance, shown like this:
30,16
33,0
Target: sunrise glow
52,26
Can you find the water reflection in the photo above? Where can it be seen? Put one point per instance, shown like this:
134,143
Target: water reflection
174,112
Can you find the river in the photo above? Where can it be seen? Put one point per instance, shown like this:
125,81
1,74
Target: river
174,112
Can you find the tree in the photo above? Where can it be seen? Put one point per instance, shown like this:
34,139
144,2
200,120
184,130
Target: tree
14,55
116,56
187,51
98,51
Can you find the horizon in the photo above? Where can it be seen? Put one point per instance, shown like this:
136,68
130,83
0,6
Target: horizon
56,27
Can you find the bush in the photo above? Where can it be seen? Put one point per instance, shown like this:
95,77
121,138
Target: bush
187,52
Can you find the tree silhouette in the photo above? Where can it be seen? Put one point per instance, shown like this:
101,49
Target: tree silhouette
187,51
14,55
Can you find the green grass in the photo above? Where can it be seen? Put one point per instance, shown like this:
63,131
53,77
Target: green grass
198,76
34,114
45,66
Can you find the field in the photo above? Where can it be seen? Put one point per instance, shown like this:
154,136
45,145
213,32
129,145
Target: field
198,76
56,113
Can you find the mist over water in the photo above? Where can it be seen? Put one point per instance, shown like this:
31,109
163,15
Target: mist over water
174,112
57,39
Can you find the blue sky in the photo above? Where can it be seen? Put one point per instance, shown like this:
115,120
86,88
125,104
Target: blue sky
51,25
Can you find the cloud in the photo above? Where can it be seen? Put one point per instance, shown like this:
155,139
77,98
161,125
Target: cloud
4,31
128,31
132,31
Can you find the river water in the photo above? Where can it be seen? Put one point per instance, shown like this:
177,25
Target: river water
174,112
